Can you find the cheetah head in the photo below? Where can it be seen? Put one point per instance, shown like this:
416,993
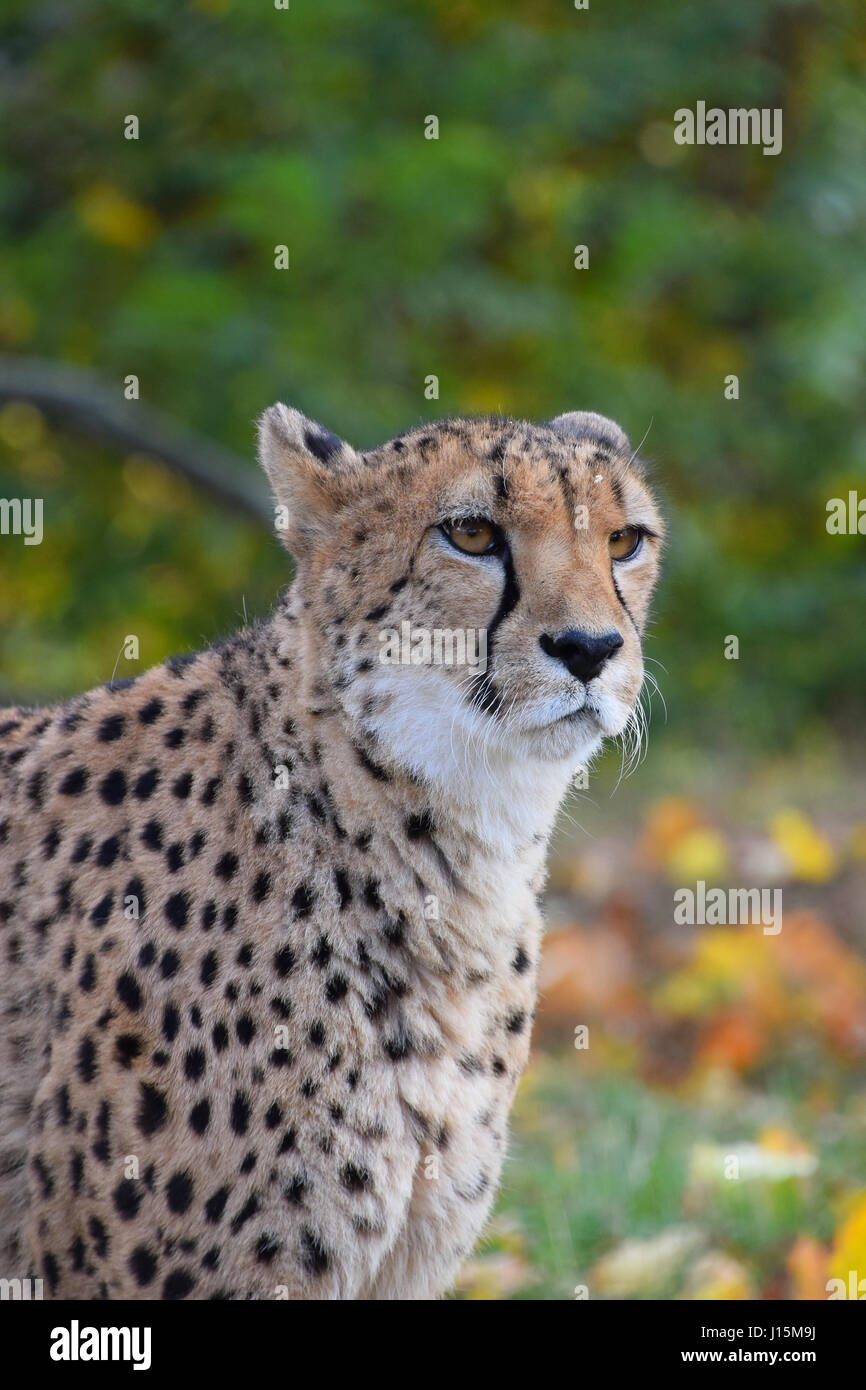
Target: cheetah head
540,544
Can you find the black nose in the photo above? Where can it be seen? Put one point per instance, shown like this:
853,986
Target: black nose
583,654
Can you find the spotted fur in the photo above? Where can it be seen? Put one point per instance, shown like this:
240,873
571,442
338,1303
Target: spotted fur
268,912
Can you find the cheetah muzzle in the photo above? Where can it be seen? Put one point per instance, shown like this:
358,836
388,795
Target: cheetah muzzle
268,919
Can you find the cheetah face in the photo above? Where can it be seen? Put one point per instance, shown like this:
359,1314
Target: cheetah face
539,545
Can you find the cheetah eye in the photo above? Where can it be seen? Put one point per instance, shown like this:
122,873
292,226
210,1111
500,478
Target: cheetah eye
474,535
625,543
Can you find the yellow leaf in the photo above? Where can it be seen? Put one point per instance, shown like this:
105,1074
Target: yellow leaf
809,853
717,1277
112,217
849,1246
699,854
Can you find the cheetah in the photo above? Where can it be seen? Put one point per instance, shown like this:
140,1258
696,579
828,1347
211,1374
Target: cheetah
268,912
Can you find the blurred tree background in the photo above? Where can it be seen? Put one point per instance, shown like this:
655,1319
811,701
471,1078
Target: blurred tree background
408,256
455,257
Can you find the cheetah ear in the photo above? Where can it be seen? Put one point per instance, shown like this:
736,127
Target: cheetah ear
306,466
585,424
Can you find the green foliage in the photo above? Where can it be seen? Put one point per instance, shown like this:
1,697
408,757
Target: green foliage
411,256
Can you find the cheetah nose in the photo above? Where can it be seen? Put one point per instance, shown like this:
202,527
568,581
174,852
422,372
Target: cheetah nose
582,654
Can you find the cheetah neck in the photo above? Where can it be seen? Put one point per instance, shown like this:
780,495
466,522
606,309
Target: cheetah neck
496,806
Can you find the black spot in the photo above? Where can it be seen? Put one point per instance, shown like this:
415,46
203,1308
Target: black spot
50,1270
174,738
43,1173
247,1211
226,866
64,1110
245,789
178,1284
74,782
209,967
208,796
267,1247
246,1030
169,965
315,1257
177,909
83,847
216,1205
418,826
146,785
294,1190
273,1115
175,857
195,1063
220,1036
152,1110
142,1265
303,899
284,961
344,888
111,728
181,787
86,1063
76,1170
178,1191
335,989
87,978
199,1116
151,835
261,887
376,613
112,788
170,1022
240,1113
375,771
127,1199
516,1021
126,1049
128,991
355,1179
151,711
397,1047
521,961
50,842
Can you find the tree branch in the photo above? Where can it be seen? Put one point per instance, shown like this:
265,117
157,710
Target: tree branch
82,401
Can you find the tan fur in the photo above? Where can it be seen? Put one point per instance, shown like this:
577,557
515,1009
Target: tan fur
157,1138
